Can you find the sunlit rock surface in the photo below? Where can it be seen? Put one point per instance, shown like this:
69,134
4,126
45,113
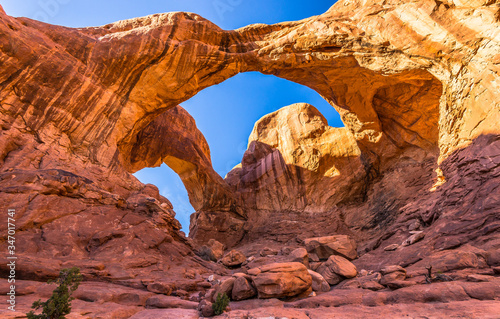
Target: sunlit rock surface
416,85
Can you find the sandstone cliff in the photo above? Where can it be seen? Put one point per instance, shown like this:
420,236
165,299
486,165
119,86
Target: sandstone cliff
416,84
407,80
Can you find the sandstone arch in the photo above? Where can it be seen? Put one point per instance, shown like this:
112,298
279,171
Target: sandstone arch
125,74
85,99
173,138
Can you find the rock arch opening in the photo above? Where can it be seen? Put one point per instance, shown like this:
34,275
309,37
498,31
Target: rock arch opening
225,115
387,116
389,99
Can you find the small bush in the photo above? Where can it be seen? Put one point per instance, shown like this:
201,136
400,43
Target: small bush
59,304
220,304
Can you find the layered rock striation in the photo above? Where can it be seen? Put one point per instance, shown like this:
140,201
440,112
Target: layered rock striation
416,85
316,166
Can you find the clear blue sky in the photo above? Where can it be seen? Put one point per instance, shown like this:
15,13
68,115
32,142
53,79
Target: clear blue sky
224,113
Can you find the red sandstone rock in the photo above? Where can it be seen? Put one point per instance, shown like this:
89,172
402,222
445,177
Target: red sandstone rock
213,250
493,258
318,282
295,146
299,255
166,313
226,287
480,278
371,285
414,82
450,260
324,247
340,266
281,280
268,252
170,302
393,269
371,282
391,247
160,288
233,258
242,289
328,274
205,308
394,276
413,239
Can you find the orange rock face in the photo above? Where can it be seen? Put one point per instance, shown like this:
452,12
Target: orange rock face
296,168
416,84
280,280
173,138
315,165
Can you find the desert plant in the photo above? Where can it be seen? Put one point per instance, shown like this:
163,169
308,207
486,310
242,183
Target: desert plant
59,304
220,304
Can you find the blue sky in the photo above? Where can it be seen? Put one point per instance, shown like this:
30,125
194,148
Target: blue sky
224,113
228,14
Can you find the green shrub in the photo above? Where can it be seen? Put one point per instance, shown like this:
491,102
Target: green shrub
59,304
220,304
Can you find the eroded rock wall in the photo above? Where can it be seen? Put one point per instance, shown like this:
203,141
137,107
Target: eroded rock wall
414,82
173,138
295,161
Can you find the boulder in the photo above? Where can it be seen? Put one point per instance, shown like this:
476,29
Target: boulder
315,265
324,247
213,250
241,274
363,272
393,276
318,282
233,259
414,225
313,257
330,277
300,255
493,258
205,308
226,287
418,236
210,294
338,265
280,280
370,281
242,289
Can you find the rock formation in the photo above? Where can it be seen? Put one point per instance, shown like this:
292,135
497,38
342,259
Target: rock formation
281,280
316,166
173,138
416,85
